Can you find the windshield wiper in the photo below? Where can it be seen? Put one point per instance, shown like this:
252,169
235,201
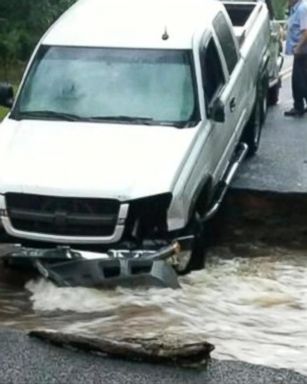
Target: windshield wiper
126,119
53,115
138,120
185,124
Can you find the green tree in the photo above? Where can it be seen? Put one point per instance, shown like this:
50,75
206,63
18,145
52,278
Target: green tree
280,7
22,23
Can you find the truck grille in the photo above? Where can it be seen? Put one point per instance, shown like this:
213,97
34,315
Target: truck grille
68,216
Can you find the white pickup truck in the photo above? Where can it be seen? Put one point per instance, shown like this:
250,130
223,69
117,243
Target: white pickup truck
130,122
238,11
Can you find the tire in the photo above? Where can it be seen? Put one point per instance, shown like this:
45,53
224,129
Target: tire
197,261
273,94
264,97
253,128
196,257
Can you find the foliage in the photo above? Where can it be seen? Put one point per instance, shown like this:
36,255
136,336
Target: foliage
280,8
22,23
3,112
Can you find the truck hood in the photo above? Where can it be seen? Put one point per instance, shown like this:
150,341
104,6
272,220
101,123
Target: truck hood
90,159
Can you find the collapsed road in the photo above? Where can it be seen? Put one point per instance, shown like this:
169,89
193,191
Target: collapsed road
251,309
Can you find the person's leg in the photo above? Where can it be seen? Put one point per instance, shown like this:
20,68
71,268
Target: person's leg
298,82
298,87
305,78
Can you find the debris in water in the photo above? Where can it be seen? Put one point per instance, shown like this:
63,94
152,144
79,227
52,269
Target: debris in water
149,350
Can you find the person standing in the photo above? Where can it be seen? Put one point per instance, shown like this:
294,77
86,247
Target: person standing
296,44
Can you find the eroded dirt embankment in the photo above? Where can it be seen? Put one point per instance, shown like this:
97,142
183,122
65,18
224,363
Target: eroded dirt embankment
263,219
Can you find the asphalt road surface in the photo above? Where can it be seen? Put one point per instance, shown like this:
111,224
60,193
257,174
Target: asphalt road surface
281,165
26,361
281,162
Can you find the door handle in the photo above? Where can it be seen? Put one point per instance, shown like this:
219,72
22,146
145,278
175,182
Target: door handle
232,104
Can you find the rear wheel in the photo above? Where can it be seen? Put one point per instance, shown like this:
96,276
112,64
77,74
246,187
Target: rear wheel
273,93
252,131
264,97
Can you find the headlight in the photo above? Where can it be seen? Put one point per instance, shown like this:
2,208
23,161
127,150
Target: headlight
147,217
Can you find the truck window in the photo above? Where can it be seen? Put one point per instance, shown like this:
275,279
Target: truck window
115,84
226,40
212,71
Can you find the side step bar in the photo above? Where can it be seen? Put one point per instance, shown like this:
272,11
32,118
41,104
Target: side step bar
225,183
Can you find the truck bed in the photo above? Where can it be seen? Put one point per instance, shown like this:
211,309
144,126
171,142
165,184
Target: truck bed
242,15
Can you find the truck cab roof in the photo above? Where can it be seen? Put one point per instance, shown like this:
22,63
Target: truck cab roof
160,24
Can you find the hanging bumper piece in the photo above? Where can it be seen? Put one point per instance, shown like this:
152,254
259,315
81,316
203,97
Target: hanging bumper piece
67,267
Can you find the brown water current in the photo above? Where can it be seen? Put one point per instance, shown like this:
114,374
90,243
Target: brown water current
251,309
250,301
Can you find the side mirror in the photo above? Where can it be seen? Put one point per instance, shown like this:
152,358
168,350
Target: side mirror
6,95
217,111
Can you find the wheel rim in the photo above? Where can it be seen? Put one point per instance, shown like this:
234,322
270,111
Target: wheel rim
183,262
257,125
264,107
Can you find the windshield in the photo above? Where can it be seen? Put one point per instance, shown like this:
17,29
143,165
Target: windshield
120,84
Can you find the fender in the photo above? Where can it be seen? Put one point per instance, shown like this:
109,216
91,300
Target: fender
205,191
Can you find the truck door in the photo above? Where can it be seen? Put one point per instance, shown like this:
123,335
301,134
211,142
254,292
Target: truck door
239,82
214,84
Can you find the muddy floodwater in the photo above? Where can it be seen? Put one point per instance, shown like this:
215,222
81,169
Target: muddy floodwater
250,301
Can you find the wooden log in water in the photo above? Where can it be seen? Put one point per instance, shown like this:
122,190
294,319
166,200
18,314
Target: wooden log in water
147,350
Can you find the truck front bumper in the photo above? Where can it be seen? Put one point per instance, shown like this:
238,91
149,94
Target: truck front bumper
67,267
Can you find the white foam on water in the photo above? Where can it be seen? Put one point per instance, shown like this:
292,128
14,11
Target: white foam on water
253,310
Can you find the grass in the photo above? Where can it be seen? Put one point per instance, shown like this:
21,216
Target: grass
3,112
